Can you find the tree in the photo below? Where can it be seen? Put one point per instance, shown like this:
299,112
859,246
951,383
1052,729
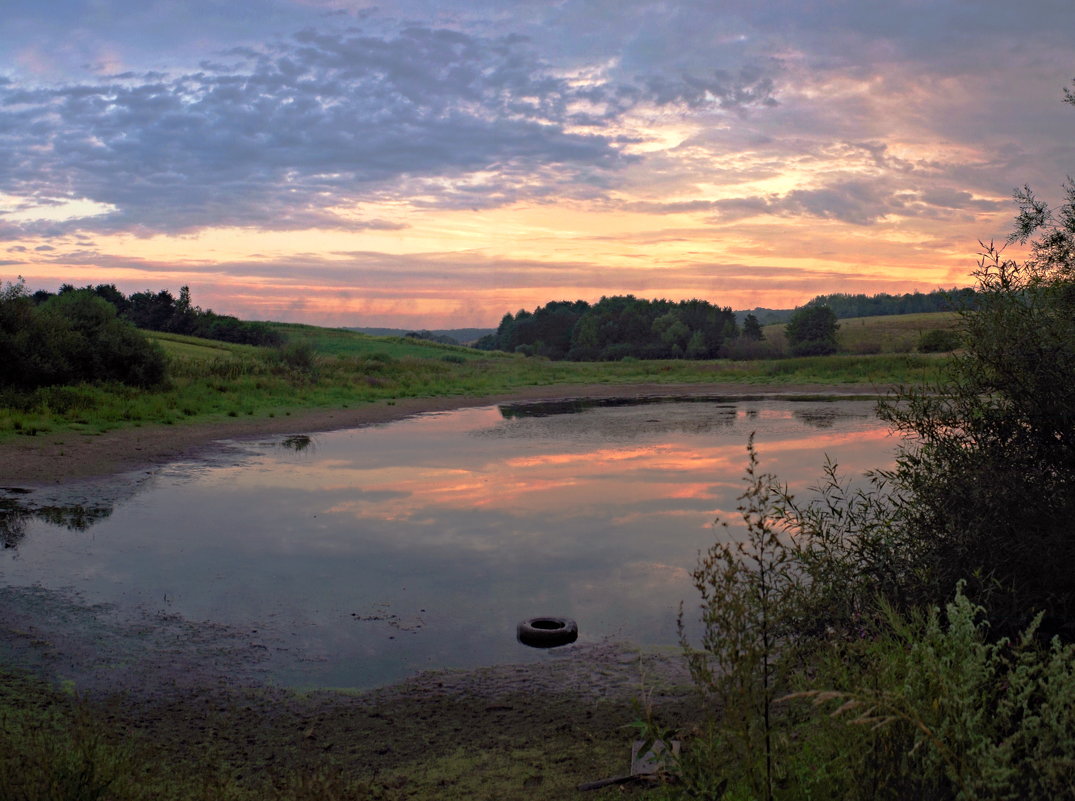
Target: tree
811,331
752,329
987,480
73,336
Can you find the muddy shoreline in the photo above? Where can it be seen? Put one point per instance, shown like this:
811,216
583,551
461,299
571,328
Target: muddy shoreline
63,457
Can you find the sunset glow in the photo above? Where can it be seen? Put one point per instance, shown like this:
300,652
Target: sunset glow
437,164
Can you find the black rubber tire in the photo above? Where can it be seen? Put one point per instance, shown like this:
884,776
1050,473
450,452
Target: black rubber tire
547,632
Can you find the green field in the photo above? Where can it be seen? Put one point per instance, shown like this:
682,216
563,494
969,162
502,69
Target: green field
336,368
896,333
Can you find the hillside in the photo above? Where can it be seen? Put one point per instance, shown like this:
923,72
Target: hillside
464,336
894,333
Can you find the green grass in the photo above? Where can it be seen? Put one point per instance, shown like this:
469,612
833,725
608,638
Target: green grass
178,346
895,333
215,381
341,342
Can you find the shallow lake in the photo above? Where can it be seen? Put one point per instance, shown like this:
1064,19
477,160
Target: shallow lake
358,557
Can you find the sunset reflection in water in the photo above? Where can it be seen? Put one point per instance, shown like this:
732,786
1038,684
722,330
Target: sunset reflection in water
421,543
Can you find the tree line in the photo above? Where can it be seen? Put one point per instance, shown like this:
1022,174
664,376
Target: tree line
68,338
91,334
618,327
845,305
162,311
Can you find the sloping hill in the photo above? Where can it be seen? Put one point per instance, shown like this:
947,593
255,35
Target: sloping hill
894,333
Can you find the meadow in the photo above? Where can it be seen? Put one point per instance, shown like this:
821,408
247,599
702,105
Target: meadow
894,333
322,368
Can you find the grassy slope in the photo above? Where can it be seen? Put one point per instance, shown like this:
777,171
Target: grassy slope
213,380
896,333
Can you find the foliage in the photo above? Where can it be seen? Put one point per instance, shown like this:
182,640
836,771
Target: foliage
811,331
752,328
846,305
918,705
615,328
426,334
989,471
161,311
932,708
71,338
750,590
745,349
938,340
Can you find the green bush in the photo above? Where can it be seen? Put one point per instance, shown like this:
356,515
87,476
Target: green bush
72,337
931,708
939,340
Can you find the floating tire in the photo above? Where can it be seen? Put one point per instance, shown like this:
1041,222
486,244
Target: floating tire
547,632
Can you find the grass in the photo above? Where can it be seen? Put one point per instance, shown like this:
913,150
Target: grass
895,333
333,368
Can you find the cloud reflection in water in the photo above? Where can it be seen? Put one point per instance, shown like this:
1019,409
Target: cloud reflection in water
462,523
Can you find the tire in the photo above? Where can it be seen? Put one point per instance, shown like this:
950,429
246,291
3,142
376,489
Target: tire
547,632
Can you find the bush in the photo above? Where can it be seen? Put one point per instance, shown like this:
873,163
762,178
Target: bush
939,340
813,347
298,357
936,710
72,337
751,591
743,349
989,472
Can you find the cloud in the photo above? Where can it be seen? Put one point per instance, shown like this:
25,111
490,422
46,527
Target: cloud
302,129
856,200
751,86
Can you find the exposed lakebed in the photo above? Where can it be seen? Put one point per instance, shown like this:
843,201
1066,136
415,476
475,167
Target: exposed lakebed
356,558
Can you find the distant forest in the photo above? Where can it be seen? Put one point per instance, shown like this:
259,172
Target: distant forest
162,311
614,328
626,326
844,305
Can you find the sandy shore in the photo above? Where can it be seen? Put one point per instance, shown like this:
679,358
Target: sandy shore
57,458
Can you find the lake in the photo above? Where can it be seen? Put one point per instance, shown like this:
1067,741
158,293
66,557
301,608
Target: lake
354,558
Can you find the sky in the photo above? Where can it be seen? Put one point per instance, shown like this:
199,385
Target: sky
437,163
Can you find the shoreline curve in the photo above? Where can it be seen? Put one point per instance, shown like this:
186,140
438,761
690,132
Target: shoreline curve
66,456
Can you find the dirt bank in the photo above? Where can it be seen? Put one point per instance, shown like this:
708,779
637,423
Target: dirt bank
56,458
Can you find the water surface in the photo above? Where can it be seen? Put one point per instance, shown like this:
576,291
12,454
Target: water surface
356,557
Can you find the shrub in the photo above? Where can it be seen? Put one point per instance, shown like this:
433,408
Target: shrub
744,349
936,710
298,357
939,340
750,592
813,347
71,337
